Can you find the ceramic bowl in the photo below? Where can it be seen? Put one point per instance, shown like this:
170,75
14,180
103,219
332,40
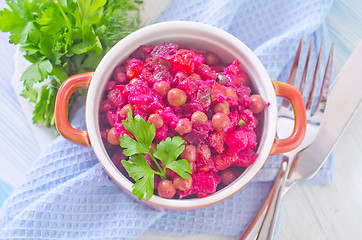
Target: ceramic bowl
197,36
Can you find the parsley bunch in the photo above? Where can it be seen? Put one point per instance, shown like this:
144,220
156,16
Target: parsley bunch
61,38
166,152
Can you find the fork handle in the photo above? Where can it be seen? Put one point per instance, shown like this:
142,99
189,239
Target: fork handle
263,224
268,225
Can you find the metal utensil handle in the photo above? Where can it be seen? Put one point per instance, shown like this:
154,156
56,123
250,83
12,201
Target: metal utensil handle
268,225
267,214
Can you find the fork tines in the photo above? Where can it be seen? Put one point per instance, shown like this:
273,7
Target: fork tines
326,79
326,82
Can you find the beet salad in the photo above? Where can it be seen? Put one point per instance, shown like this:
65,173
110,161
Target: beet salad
196,111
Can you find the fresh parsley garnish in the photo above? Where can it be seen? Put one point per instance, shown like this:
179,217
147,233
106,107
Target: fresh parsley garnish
166,152
62,38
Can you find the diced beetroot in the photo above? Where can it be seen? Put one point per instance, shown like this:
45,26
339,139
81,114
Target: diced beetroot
204,95
199,133
148,49
234,120
209,83
218,93
241,139
202,195
218,68
217,178
198,60
178,110
161,74
192,138
169,117
149,65
184,60
192,107
207,126
146,76
120,130
207,166
251,136
157,103
237,141
117,158
181,75
203,153
110,117
234,74
120,78
144,99
167,48
119,75
116,98
233,102
141,88
189,85
224,160
140,101
134,68
203,159
105,106
161,133
163,60
110,85
218,98
203,184
122,88
221,79
218,88
217,141
245,101
243,93
245,158
248,117
206,72
141,52
172,133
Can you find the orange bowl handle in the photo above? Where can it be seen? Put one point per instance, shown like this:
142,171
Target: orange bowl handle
300,121
68,87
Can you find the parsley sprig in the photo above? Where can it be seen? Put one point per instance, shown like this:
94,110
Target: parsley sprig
61,38
166,152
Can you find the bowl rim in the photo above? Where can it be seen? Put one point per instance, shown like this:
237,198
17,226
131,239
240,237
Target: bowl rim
167,29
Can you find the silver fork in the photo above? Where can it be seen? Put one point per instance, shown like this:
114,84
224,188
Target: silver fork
265,229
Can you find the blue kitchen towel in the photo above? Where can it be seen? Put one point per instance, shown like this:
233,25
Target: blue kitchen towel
68,195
